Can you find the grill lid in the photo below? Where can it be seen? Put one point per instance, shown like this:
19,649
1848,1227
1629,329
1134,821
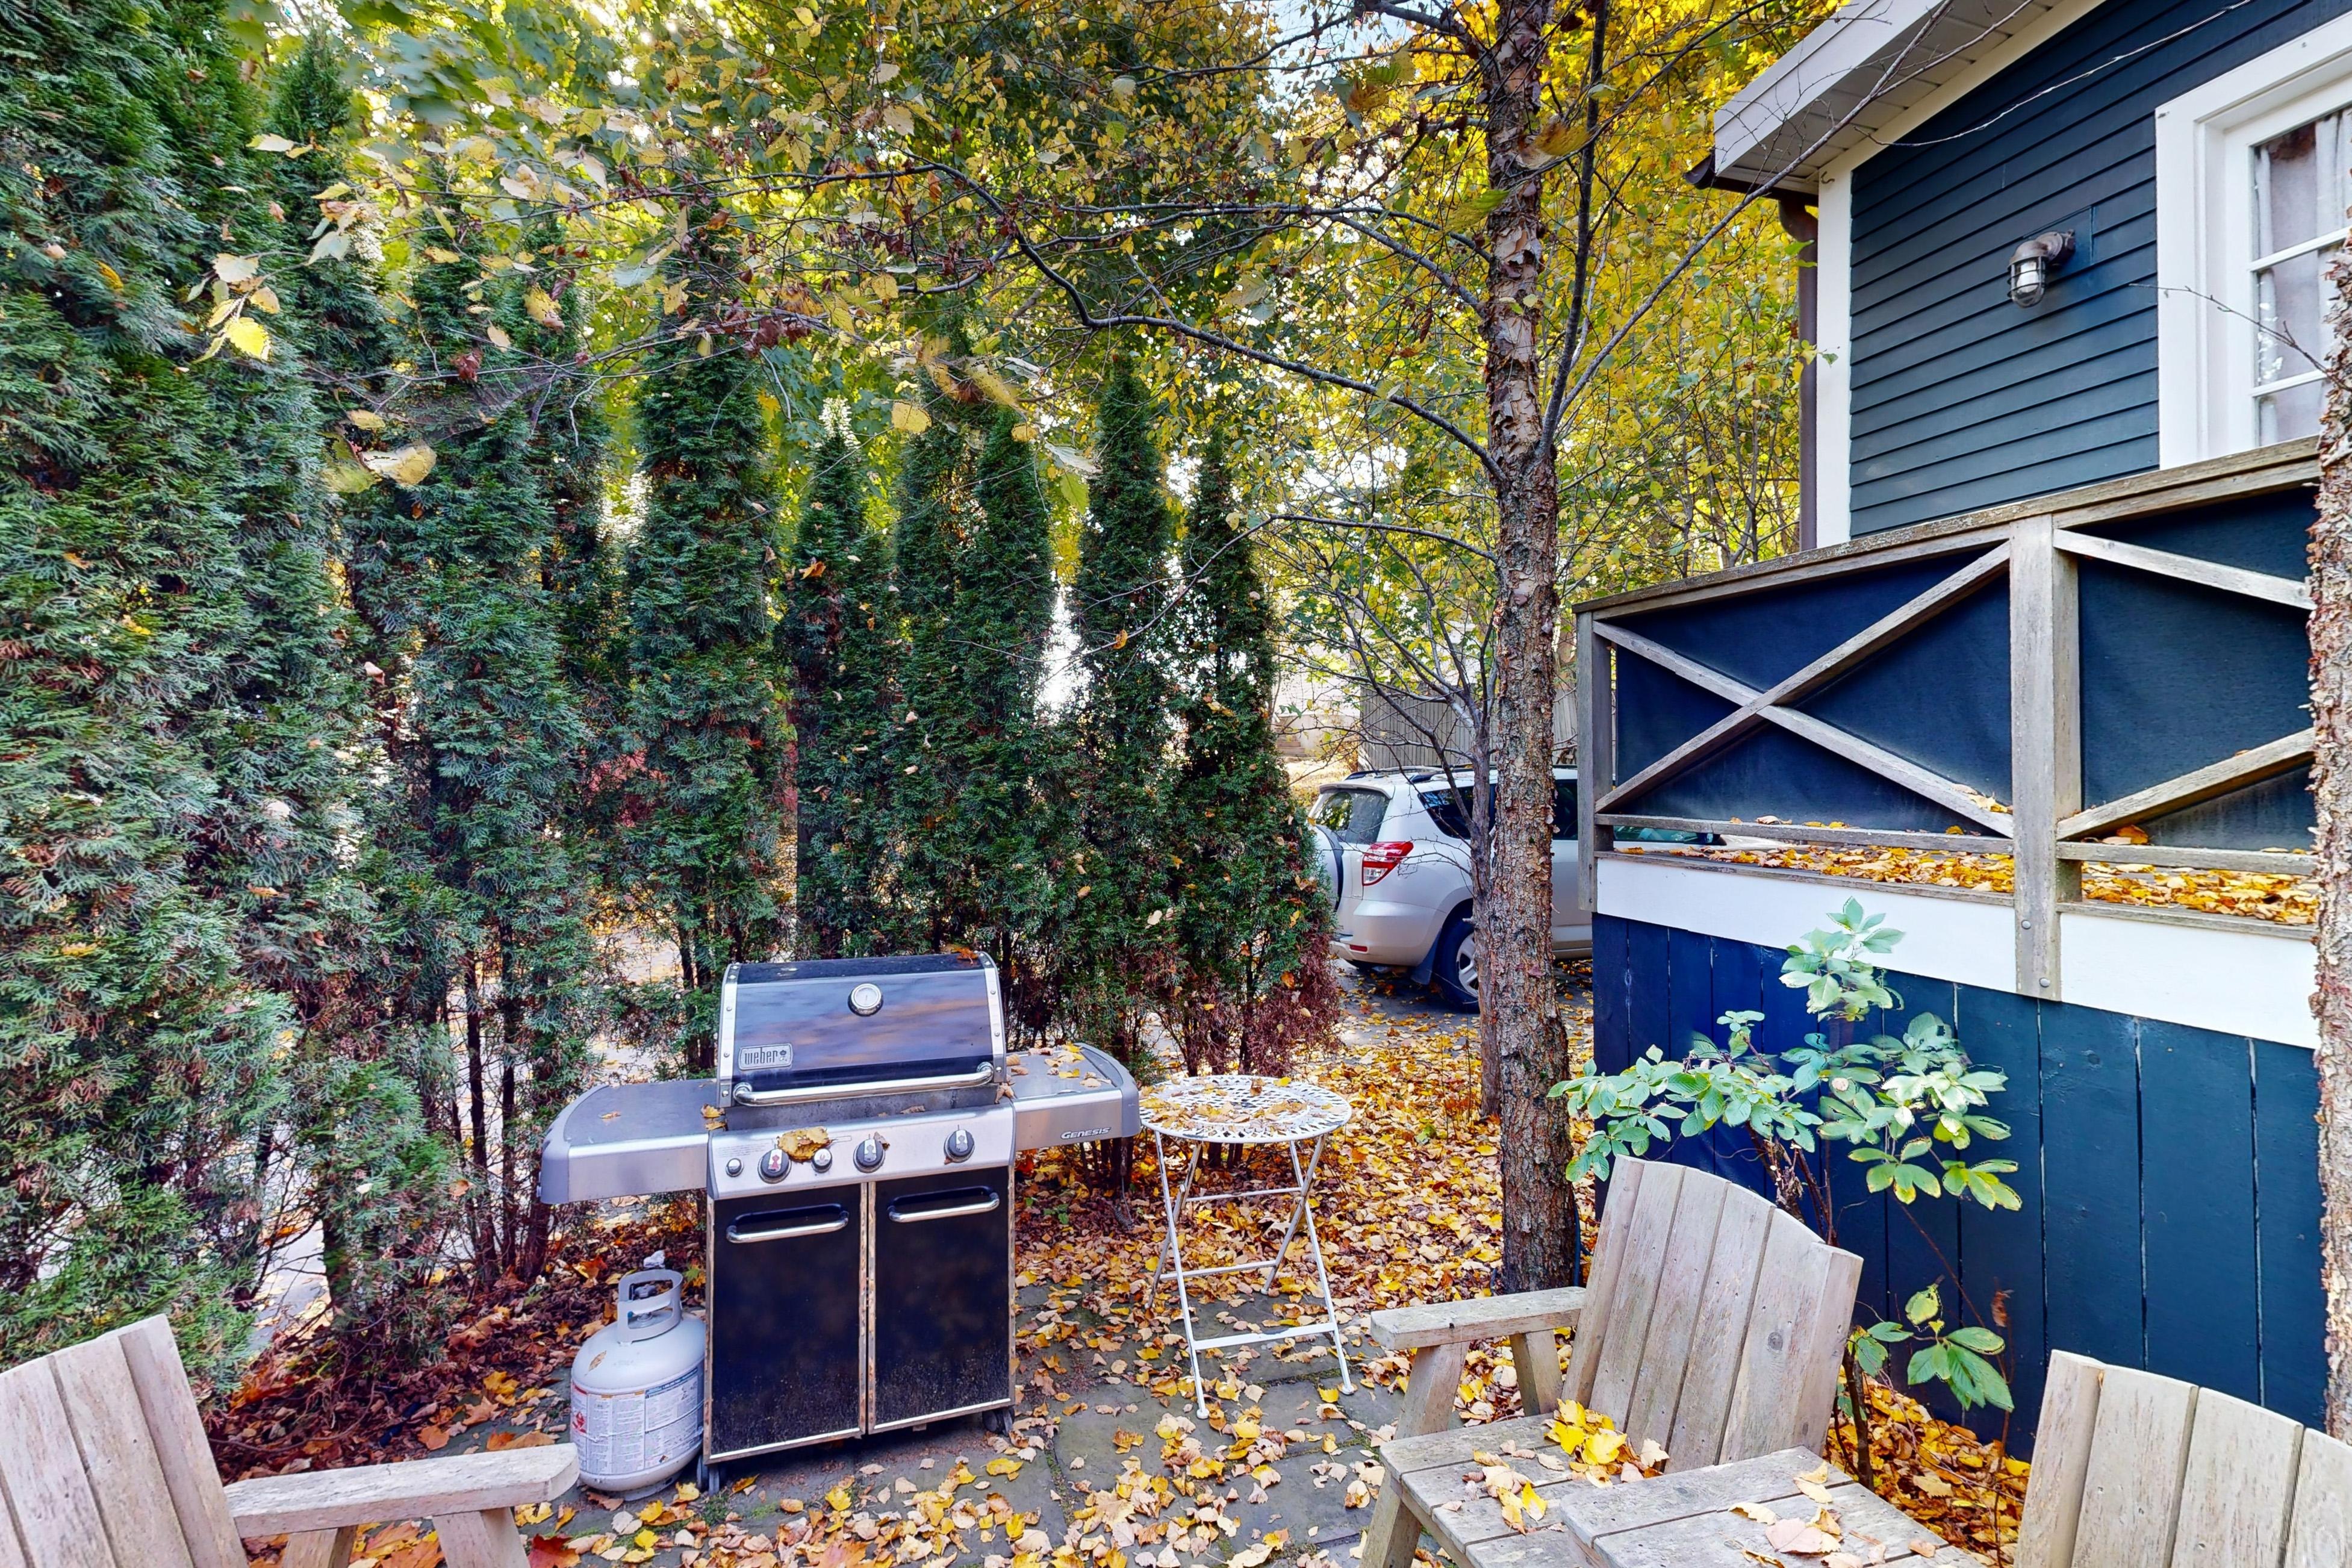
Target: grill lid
822,1027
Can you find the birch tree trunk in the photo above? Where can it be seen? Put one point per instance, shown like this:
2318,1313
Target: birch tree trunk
2331,787
1518,1014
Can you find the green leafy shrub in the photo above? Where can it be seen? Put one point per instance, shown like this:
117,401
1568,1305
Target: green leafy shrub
1909,1109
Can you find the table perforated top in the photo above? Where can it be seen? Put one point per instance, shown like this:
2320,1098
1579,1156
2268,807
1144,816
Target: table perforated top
1243,1107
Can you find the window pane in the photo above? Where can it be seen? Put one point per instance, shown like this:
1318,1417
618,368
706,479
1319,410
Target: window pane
2290,302
2286,190
1563,808
2285,415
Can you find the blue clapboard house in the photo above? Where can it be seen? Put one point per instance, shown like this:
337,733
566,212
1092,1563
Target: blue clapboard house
2068,302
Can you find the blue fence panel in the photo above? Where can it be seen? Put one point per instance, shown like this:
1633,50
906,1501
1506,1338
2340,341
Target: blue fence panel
2287,1178
2197,1143
2000,1250
2168,1176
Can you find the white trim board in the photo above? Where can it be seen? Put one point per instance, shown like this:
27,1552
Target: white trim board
1944,939
2203,305
2231,982
2253,982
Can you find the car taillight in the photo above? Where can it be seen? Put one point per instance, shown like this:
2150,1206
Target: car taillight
1379,859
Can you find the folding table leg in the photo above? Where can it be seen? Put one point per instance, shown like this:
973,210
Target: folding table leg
1315,1245
1176,1264
1290,1230
1183,1196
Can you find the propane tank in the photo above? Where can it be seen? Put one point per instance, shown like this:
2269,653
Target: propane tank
637,1388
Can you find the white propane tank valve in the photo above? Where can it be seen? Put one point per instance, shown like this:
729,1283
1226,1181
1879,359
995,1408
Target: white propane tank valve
637,1389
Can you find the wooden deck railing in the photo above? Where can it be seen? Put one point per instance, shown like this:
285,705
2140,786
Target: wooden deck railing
2196,621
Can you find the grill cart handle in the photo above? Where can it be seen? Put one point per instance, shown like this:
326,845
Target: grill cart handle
746,1230
910,1210
977,1078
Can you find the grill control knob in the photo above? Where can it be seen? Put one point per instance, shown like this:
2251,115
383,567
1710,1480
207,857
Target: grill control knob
734,1167
773,1165
822,1161
869,1152
960,1143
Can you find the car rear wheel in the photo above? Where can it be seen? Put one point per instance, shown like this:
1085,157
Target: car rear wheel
1455,966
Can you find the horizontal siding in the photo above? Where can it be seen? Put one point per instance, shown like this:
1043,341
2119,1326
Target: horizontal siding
1960,399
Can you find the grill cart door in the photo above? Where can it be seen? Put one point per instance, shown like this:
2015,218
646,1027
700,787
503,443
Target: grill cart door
785,1349
942,1279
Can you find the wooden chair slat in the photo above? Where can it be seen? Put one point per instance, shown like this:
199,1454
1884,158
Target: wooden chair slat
2062,1457
1601,1284
2131,1490
1817,1370
12,1551
1649,1411
2321,1535
181,1447
119,1456
1724,1298
2238,1486
1626,1330
1795,1306
40,1470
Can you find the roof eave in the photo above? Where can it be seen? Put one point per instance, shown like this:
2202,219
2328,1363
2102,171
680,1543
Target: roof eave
1854,75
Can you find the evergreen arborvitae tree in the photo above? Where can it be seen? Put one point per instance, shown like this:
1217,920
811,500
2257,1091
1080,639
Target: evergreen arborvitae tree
329,287
174,719
484,900
706,706
1252,926
1120,935
375,1174
927,542
581,569
838,639
1012,822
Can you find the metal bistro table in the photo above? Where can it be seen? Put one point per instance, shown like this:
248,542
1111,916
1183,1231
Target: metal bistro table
1247,1110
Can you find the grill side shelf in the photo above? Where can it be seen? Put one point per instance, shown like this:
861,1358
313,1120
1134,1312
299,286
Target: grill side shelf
1071,1095
628,1140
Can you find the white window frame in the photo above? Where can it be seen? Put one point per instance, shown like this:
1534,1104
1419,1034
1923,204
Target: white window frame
2204,234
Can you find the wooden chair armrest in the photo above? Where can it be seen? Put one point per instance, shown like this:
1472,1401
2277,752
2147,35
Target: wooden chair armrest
412,1489
1479,1318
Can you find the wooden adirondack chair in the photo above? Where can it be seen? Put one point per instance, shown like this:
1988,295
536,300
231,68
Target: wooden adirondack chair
1714,1323
2133,1470
103,1464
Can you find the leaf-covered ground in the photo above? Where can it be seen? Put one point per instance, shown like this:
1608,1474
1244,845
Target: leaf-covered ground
1109,1464
2286,901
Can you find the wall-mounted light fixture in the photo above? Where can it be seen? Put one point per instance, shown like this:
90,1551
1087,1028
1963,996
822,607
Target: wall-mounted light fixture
2030,264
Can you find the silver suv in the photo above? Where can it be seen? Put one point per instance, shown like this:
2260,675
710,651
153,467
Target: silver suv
1393,849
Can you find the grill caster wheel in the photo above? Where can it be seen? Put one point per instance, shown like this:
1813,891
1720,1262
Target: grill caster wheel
709,1479
999,1421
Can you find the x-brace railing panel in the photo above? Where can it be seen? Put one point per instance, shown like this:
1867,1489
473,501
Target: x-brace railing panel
1775,704
2049,830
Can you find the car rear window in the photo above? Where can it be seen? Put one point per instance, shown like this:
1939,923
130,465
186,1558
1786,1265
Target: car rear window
1353,815
1450,809
1563,808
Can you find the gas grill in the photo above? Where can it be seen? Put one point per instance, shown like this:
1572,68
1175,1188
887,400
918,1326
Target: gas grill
855,1152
